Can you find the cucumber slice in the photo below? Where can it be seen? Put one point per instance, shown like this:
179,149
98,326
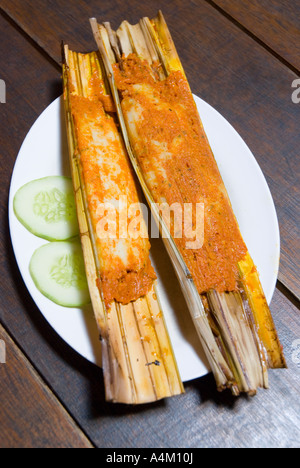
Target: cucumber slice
46,207
58,272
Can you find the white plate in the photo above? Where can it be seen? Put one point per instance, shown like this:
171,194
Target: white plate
44,153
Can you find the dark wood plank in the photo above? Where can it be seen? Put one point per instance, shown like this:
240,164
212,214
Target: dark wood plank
30,415
225,67
275,22
202,417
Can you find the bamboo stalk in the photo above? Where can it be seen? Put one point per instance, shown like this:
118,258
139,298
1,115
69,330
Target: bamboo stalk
262,317
223,375
128,375
237,331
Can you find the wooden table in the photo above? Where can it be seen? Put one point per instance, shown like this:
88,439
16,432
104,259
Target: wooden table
242,58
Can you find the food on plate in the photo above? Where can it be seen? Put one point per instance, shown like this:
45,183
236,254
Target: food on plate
138,360
173,160
46,207
58,272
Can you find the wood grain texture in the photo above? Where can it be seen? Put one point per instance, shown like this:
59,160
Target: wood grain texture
30,415
225,67
274,22
241,84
